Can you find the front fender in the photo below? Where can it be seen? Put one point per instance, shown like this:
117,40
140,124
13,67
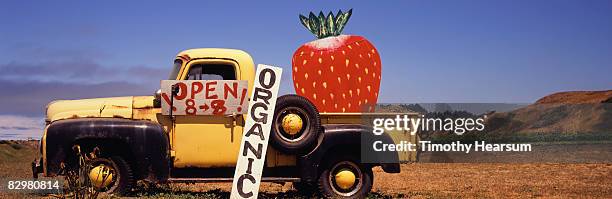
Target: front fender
146,141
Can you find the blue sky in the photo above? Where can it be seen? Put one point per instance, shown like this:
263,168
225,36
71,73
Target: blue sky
432,51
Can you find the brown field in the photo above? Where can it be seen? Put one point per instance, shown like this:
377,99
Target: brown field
442,180
417,180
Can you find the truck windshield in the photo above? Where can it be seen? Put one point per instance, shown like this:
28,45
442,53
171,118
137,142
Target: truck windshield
175,69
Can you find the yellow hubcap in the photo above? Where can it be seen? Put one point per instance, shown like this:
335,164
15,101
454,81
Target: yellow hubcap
101,176
292,123
345,179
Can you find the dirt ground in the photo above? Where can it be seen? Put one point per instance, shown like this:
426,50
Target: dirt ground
417,180
443,180
469,180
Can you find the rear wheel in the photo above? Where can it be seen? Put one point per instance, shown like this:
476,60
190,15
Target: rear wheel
345,178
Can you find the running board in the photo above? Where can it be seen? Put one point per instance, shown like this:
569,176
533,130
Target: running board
204,180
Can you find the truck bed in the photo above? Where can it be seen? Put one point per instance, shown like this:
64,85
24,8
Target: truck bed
357,118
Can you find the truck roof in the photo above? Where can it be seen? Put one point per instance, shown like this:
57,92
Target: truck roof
222,53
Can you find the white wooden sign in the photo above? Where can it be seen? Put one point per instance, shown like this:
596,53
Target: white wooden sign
252,154
204,97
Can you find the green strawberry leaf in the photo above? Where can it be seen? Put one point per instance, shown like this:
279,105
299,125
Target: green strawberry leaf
342,20
304,21
314,24
322,25
325,26
330,24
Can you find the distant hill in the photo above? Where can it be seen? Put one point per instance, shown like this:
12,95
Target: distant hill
564,112
474,108
400,108
577,97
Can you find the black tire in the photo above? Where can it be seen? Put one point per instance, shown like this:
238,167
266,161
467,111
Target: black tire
123,182
305,188
301,142
363,174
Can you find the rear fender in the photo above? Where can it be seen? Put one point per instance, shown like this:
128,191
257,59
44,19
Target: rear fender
348,136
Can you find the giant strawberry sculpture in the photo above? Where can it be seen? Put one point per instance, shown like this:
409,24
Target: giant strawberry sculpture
338,73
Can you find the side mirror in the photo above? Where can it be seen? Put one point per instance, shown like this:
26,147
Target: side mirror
175,89
157,100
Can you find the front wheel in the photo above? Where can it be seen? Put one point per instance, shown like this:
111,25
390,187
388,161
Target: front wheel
111,175
345,178
305,188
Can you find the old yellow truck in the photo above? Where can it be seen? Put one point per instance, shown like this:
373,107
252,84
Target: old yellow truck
134,141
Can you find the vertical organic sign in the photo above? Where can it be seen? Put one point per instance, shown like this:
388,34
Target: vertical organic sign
252,154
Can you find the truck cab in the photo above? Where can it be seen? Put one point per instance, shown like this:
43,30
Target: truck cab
132,140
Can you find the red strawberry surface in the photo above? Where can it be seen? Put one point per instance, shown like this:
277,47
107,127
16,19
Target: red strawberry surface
338,73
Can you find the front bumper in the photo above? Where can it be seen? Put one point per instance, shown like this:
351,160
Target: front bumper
36,168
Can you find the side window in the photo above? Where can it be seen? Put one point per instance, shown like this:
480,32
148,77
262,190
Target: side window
211,72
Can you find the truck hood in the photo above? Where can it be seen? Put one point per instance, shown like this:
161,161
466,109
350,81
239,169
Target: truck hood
119,107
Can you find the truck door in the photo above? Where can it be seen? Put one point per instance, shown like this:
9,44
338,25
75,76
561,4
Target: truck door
206,140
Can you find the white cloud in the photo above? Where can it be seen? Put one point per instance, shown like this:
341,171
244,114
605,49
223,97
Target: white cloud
14,127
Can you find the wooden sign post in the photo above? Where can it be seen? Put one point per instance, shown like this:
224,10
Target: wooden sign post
252,153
